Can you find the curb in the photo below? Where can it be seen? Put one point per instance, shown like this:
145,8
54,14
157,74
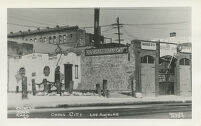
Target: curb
107,104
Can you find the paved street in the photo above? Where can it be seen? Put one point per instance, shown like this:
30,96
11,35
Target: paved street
148,111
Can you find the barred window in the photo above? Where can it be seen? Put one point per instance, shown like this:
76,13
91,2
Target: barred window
184,61
147,59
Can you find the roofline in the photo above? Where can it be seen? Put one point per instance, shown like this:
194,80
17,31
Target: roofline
44,30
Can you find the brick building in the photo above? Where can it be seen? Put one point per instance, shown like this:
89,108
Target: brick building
66,36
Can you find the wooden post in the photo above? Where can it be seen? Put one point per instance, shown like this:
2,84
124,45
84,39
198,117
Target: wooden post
132,89
58,87
45,85
105,88
98,89
24,88
33,87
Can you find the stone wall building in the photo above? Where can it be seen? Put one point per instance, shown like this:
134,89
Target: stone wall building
139,65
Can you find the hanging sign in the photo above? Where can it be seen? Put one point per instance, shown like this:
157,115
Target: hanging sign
106,51
148,45
185,48
168,49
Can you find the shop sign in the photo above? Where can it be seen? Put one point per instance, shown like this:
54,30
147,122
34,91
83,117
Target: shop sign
106,51
186,49
168,49
148,45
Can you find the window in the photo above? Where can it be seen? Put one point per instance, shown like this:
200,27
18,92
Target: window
60,39
76,71
50,40
147,59
184,61
54,39
44,39
41,40
35,40
71,35
64,38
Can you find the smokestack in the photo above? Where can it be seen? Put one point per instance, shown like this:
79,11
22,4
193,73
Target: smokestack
96,27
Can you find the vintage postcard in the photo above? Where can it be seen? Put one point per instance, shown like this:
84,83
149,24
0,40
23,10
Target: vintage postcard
99,63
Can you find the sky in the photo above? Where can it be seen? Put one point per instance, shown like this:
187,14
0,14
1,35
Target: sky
148,23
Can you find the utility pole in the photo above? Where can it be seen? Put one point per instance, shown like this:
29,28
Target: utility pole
119,33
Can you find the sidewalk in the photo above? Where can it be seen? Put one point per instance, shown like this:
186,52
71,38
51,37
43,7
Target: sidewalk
14,100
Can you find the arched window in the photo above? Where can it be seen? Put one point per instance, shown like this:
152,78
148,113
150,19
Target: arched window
35,39
147,59
54,39
44,39
50,40
60,39
64,38
184,61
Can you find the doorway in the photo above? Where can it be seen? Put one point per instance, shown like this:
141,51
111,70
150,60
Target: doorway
68,75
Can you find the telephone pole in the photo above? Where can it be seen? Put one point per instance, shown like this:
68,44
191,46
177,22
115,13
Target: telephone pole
118,28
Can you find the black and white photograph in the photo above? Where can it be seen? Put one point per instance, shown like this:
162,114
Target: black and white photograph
99,63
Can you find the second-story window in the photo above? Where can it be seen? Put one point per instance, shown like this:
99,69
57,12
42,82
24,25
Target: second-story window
71,35
60,39
54,39
64,39
41,40
44,39
50,40
35,40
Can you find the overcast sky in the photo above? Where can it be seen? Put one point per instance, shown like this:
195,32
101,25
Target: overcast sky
144,23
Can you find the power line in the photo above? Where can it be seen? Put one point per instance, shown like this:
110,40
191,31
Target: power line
128,34
167,23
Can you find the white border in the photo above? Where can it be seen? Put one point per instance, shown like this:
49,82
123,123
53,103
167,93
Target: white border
196,37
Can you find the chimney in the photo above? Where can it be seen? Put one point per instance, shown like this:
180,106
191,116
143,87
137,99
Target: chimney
96,27
29,30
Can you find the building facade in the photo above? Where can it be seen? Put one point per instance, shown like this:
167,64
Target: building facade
34,65
66,36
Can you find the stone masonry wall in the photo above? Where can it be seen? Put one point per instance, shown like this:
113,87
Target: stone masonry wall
117,69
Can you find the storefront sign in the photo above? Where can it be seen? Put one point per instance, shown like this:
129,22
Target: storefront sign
106,51
186,49
168,49
148,45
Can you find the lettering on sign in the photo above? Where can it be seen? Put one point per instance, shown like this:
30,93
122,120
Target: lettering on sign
106,51
148,45
186,49
168,49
